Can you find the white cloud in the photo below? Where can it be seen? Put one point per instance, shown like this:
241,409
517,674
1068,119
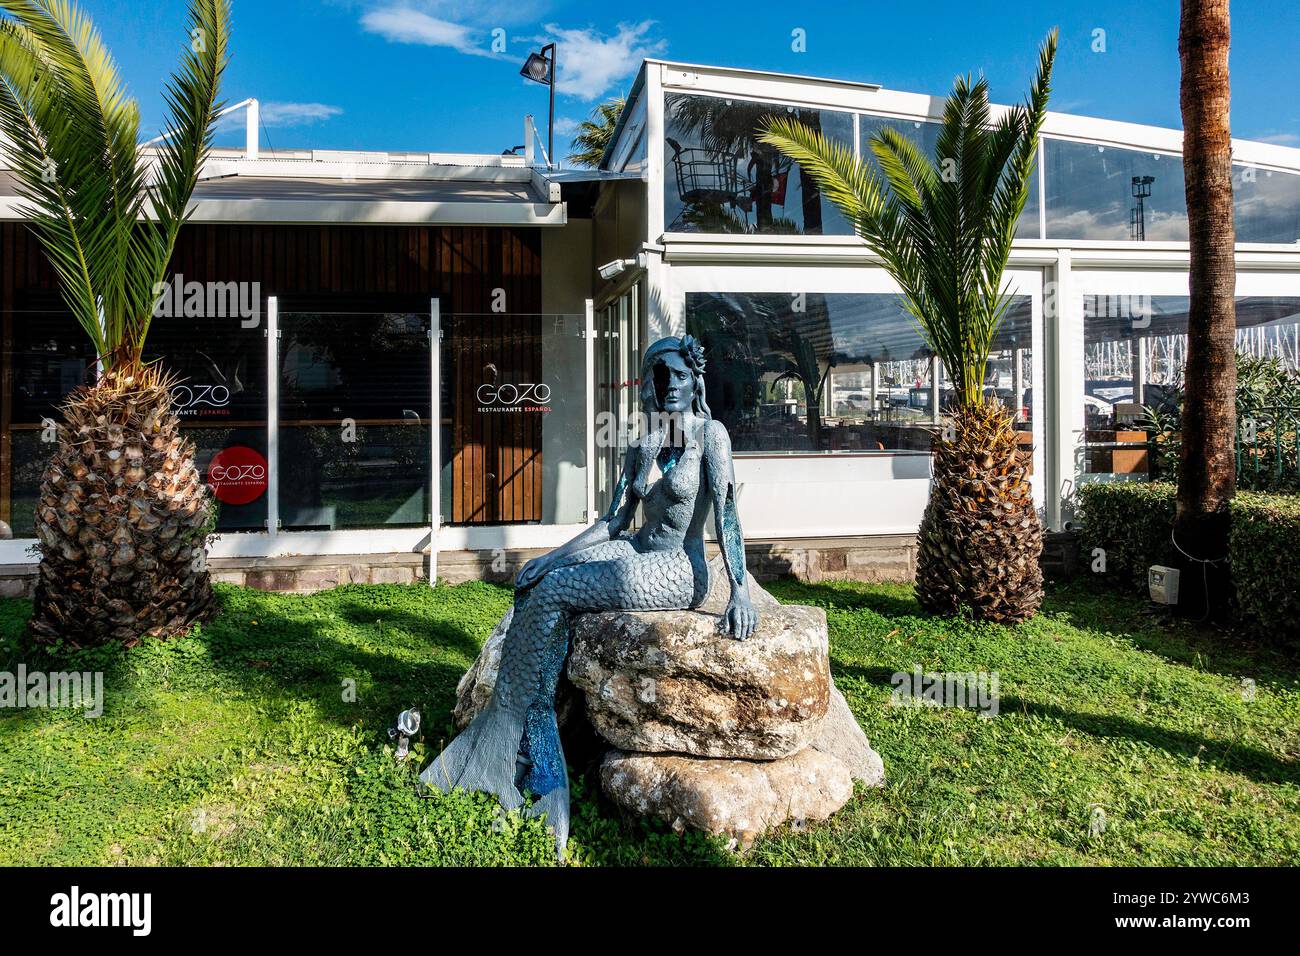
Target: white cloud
282,115
592,64
565,126
402,24
298,114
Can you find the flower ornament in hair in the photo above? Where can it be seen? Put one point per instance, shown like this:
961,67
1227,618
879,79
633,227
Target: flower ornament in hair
693,352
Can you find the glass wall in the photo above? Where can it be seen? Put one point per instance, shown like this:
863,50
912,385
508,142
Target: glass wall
1266,204
1135,350
926,136
220,394
1103,192
837,372
355,419
354,436
45,356
719,179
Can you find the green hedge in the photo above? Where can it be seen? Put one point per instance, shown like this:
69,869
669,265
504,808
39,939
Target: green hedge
1265,549
1131,521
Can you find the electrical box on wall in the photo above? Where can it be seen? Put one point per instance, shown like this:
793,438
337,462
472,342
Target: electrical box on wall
1162,582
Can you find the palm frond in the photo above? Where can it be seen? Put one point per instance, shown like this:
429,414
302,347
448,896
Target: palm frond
74,133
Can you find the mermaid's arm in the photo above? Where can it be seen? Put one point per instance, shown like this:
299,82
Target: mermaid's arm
606,528
740,618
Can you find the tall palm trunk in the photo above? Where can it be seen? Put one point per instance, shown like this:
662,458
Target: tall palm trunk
1207,476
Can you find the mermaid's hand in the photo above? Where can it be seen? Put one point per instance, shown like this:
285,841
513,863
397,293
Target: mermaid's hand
532,572
740,619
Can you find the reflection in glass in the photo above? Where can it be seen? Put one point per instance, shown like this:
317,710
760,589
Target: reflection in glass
836,372
719,179
1135,350
1265,204
354,420
926,135
1103,192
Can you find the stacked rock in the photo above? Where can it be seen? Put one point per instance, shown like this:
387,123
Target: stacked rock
725,736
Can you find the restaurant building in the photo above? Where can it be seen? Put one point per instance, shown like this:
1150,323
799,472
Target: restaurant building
394,360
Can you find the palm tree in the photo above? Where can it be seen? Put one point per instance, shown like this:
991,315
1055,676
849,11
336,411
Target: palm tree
595,133
943,227
1206,471
122,510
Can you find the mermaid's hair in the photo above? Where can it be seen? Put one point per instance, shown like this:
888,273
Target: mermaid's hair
692,353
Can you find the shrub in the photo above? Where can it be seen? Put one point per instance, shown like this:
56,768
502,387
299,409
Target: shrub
1130,522
1265,551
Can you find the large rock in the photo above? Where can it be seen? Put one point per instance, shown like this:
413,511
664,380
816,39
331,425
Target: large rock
841,737
740,798
669,681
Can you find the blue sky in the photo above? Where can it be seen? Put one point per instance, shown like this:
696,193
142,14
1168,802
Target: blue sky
422,75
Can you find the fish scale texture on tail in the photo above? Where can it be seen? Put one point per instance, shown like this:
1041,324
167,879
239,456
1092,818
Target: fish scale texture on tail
513,746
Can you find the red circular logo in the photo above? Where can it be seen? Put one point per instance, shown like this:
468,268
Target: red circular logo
237,475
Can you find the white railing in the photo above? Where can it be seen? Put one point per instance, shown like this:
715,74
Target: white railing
252,125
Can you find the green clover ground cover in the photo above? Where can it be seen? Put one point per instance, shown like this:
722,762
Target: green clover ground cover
261,740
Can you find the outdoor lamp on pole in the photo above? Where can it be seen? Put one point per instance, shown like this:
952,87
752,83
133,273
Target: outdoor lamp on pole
540,68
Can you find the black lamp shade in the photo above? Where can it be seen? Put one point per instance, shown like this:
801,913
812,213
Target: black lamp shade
537,68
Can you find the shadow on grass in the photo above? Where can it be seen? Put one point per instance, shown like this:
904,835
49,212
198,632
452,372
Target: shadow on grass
842,598
1247,760
1204,647
285,659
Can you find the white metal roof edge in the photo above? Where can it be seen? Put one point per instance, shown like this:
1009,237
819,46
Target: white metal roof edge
375,212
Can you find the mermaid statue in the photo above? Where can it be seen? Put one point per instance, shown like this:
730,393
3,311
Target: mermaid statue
512,748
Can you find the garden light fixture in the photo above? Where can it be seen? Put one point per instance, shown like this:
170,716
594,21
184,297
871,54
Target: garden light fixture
408,725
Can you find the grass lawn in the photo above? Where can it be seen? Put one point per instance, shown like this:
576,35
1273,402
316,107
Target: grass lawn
244,745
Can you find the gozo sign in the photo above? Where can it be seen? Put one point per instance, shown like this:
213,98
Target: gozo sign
524,397
237,475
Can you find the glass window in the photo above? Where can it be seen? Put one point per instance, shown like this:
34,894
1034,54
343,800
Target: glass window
719,179
926,136
1266,205
1135,350
1103,192
355,407
836,372
630,152
220,394
44,355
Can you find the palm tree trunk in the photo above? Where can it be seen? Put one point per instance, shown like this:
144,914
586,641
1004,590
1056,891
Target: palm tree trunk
1207,477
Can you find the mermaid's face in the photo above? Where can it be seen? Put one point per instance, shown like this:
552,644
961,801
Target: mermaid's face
674,383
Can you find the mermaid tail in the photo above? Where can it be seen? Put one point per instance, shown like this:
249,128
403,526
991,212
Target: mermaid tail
482,757
513,746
